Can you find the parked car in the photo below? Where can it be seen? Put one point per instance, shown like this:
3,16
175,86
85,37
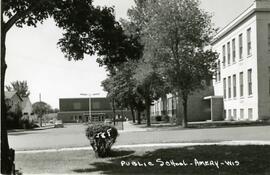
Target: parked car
58,124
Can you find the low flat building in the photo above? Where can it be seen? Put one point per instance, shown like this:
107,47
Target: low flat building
85,109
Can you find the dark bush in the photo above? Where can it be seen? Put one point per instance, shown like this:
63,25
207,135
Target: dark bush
158,118
101,137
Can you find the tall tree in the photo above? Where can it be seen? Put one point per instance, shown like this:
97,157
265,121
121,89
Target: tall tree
20,87
87,29
121,86
150,85
175,35
41,108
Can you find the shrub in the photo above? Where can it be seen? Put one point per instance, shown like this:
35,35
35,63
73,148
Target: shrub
158,118
101,137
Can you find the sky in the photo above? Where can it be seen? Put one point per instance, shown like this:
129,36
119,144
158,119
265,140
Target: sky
32,55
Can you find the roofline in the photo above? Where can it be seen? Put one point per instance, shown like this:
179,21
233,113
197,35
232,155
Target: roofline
236,22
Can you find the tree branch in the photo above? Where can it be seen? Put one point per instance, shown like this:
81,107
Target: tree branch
16,17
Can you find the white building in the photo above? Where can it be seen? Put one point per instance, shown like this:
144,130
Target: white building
243,77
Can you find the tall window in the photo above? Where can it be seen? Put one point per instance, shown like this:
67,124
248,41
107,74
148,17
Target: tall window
234,114
229,87
233,51
250,82
241,82
219,76
229,53
250,113
234,85
269,37
240,46
241,113
224,88
249,41
224,55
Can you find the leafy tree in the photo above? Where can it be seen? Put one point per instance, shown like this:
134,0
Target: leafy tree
87,29
150,85
175,34
120,87
40,109
20,87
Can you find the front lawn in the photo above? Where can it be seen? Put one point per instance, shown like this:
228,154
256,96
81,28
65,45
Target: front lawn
188,160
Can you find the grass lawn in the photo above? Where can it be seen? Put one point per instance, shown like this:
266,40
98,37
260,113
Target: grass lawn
188,160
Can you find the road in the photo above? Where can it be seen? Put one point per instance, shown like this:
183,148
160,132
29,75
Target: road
74,136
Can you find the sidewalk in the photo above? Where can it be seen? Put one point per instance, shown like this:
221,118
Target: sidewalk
129,127
157,145
34,129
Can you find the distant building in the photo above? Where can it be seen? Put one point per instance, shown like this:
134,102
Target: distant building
77,109
198,108
242,80
27,110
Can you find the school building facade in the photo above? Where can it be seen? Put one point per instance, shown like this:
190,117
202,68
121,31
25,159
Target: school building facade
241,86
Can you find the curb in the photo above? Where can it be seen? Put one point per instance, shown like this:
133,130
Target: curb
223,143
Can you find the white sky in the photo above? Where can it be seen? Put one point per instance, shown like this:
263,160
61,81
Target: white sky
32,55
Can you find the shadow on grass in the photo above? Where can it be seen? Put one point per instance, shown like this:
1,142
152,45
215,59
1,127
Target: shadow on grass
252,160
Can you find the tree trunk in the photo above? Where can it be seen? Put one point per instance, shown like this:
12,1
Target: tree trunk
184,120
113,108
148,118
139,117
178,110
40,121
6,162
132,114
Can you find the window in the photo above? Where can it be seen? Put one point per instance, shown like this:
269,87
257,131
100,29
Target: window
77,105
241,113
229,87
229,53
233,51
224,55
234,114
96,105
269,37
234,85
218,71
224,114
241,82
250,113
250,82
219,76
229,114
269,86
241,46
224,88
249,41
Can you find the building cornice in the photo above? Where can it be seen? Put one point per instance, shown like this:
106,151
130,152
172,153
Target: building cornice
238,21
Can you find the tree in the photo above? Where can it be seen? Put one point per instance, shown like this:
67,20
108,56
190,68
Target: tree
150,85
175,35
41,108
121,85
20,87
86,30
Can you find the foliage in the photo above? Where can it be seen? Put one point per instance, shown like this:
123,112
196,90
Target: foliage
87,29
101,137
41,108
20,87
174,34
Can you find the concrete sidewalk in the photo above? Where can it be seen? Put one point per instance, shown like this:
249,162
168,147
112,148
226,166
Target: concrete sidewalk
129,127
162,145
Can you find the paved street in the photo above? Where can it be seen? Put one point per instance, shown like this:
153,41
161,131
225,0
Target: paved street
74,136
